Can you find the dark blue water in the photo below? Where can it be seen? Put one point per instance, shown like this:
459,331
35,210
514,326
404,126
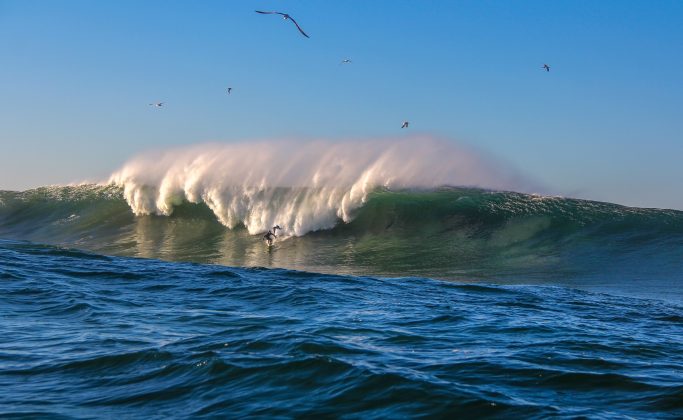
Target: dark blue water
85,335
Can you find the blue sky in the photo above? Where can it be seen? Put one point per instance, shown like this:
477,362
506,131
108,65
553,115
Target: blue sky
606,123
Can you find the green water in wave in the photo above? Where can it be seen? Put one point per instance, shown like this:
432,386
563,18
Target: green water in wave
451,233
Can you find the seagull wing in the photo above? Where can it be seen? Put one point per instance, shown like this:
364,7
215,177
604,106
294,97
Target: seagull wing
299,27
269,13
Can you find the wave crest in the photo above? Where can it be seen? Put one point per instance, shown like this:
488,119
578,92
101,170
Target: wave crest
302,187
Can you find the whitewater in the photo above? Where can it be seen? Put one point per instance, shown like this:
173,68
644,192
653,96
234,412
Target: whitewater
300,186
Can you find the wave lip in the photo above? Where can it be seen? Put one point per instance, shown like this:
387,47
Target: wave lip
302,187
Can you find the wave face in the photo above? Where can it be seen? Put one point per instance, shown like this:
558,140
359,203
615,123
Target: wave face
450,233
84,334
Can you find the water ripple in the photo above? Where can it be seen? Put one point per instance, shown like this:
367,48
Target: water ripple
84,335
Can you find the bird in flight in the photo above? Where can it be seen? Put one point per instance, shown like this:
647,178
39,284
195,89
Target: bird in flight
405,124
229,90
286,17
345,61
546,67
157,104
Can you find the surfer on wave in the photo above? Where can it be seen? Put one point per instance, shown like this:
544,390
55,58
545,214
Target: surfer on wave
271,234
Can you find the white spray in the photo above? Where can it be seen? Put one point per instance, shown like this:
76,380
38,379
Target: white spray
300,186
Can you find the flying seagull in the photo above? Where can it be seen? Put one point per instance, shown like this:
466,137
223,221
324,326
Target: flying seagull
229,90
405,124
157,104
345,61
546,67
286,17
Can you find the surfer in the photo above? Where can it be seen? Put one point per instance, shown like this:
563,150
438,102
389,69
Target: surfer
271,234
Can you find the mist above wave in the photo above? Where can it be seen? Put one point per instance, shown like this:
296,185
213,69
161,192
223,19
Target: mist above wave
302,186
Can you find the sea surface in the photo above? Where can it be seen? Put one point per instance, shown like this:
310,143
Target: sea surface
435,302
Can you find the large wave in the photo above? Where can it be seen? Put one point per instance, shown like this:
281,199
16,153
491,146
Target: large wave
302,187
447,232
377,207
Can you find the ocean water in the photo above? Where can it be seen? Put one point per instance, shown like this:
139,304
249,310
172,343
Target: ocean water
426,302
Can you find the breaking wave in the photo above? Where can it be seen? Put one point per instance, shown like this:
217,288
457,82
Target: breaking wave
302,187
405,208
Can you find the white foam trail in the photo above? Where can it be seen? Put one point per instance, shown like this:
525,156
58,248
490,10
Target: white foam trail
300,186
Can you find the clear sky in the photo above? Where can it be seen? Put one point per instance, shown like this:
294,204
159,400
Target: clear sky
605,123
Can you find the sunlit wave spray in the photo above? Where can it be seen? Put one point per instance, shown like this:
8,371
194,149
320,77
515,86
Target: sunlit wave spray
302,186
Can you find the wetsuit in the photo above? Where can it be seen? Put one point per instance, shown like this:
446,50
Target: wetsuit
269,237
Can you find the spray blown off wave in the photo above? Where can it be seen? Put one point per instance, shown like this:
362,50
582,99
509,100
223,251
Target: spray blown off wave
302,187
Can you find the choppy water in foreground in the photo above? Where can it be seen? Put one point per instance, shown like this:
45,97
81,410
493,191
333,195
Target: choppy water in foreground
86,335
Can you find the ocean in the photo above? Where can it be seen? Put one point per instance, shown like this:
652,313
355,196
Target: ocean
414,302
